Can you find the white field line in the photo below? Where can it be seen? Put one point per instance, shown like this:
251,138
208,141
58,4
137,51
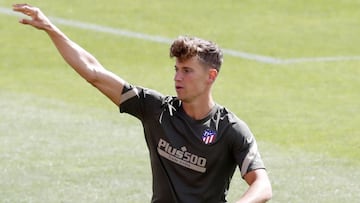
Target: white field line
159,39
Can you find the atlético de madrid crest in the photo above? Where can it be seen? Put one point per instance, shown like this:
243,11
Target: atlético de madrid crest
208,136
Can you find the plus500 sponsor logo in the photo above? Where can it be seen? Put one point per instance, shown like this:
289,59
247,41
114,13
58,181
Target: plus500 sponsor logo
181,156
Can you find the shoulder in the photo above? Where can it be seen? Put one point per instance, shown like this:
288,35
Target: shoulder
235,127
141,101
132,92
228,116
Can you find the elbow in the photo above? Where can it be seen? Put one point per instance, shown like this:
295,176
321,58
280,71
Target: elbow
91,78
267,194
92,75
265,191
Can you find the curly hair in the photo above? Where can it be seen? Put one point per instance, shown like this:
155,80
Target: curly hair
208,53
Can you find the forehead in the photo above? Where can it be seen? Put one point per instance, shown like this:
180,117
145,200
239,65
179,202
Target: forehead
192,62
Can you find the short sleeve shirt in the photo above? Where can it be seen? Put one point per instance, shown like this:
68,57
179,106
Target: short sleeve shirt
191,160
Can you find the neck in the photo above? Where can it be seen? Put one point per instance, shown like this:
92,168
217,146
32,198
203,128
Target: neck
198,110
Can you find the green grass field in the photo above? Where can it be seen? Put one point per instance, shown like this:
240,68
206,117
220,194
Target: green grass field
62,141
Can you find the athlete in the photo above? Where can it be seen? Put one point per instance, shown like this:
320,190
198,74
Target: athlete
194,143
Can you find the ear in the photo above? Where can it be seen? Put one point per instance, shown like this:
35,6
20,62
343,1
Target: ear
212,74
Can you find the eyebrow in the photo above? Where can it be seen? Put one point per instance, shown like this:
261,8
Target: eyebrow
183,67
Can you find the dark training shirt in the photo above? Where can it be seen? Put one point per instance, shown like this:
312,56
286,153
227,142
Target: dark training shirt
191,160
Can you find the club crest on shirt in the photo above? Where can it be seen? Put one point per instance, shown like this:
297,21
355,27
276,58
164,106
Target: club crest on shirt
208,136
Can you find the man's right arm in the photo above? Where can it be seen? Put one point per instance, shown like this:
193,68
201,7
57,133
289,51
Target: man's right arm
79,59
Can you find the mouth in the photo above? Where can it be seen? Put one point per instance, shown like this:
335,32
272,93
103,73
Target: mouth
177,87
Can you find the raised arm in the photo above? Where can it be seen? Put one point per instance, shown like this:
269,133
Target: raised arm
79,59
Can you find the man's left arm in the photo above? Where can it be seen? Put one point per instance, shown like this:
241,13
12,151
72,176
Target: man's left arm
259,187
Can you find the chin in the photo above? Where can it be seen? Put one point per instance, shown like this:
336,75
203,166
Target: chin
180,97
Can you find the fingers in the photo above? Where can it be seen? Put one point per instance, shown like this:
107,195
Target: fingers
38,19
25,21
25,9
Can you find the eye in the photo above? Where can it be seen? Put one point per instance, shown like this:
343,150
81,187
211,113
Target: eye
183,69
187,70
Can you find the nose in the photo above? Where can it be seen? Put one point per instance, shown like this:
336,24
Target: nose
178,76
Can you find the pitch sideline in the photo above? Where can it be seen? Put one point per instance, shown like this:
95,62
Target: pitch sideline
160,39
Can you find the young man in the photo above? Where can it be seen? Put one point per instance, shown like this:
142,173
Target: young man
194,143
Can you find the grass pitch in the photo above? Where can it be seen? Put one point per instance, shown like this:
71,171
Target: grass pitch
61,141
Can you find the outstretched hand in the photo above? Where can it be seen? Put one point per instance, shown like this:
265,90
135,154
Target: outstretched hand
38,19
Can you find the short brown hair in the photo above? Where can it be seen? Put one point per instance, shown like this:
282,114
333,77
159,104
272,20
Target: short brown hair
208,53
